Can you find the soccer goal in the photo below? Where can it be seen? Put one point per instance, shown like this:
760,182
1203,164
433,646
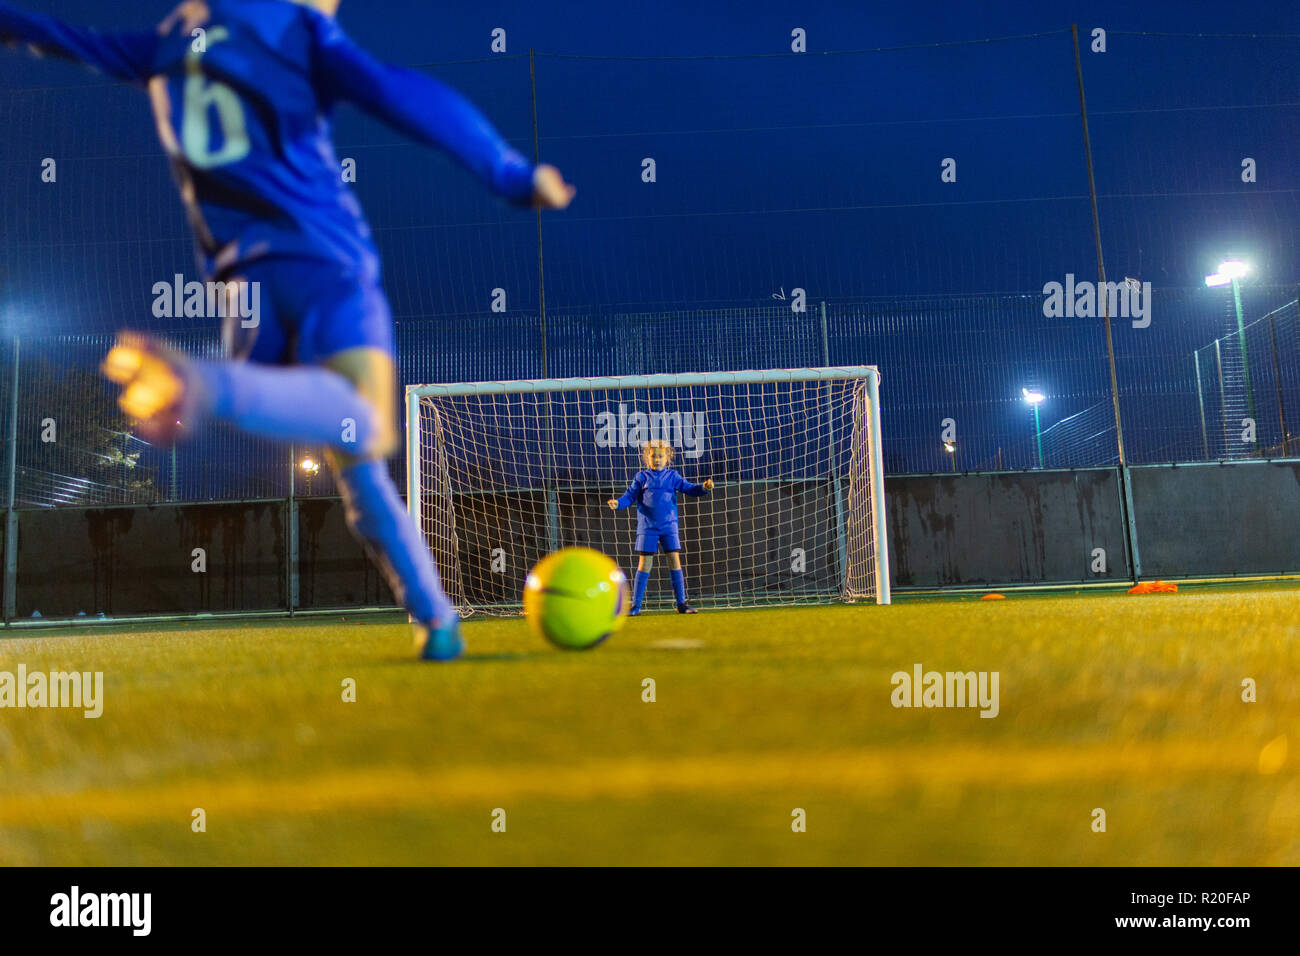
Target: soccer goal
502,473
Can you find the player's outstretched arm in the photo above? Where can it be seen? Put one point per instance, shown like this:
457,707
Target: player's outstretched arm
124,56
690,488
429,111
629,497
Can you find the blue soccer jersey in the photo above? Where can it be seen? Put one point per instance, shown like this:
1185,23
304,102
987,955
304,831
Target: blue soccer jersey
655,495
244,114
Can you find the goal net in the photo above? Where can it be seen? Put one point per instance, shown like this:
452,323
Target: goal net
502,473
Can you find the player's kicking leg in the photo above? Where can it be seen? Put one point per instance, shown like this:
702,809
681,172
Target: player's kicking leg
344,401
378,518
347,406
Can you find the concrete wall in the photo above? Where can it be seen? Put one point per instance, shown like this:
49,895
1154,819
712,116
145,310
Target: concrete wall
1033,527
1235,518
977,530
139,560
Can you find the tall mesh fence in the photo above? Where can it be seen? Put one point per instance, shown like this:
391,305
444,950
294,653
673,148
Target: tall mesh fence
1248,388
909,209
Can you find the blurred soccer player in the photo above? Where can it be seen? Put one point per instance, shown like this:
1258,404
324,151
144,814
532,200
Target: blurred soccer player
654,491
242,93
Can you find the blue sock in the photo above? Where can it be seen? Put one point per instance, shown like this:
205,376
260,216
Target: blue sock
638,589
301,404
679,586
377,517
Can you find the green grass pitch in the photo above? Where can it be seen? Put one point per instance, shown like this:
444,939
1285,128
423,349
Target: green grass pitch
1130,704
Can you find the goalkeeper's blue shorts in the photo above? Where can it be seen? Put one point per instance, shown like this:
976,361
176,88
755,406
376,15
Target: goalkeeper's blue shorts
306,311
651,541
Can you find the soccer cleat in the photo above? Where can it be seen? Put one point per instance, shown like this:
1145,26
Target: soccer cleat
440,643
159,388
686,609
635,612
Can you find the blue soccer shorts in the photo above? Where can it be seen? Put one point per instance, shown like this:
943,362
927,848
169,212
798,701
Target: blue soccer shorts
651,541
306,311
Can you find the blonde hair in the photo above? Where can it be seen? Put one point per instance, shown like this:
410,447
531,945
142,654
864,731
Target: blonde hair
327,7
649,446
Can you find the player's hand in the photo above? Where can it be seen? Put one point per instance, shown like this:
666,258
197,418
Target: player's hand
550,191
613,504
708,484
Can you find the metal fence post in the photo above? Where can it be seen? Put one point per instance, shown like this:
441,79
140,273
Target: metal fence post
11,515
837,491
549,479
1245,361
291,539
1130,520
1223,402
1200,403
1277,380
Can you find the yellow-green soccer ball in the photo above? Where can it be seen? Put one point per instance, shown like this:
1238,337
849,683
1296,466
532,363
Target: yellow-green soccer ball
575,598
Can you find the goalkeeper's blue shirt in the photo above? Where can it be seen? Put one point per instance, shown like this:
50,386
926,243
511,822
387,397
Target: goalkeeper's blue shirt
246,123
655,495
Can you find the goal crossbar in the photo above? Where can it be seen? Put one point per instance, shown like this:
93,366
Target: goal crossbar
667,380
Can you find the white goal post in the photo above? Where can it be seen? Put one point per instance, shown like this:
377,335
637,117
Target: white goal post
499,474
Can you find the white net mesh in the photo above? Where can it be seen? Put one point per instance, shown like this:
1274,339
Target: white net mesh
508,472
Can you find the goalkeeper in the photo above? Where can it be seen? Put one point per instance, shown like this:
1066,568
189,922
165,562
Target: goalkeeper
243,92
654,492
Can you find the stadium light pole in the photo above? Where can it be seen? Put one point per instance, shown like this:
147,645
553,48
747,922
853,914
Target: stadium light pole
1230,272
310,468
1035,399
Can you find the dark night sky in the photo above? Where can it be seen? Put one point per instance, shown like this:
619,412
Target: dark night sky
820,172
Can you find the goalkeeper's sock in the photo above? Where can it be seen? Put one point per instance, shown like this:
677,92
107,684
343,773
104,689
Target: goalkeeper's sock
679,586
378,519
638,590
304,404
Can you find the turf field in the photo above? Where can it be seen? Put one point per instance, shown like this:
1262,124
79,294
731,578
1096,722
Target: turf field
1125,703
